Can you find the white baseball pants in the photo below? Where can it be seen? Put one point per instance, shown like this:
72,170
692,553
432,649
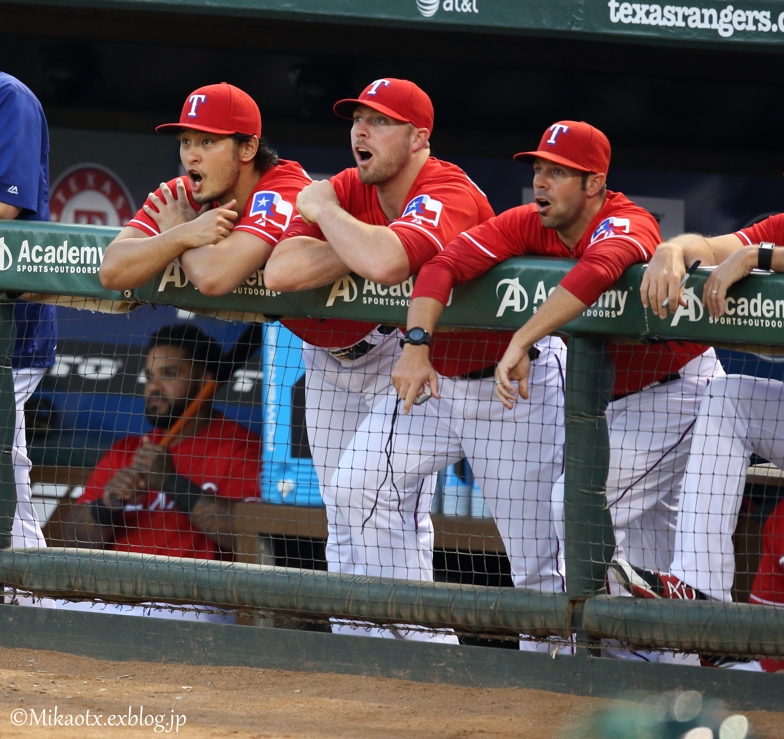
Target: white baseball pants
739,416
26,530
650,436
515,455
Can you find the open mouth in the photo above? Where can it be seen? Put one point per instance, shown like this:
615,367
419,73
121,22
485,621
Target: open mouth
363,155
542,205
195,180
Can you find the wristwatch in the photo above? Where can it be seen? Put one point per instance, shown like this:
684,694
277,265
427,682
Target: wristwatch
416,336
765,255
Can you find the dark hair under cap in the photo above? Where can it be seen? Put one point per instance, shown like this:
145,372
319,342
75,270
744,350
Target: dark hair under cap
193,341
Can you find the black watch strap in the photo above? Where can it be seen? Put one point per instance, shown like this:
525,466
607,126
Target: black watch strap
765,255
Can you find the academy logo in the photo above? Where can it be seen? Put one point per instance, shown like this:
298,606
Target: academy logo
6,258
423,209
344,288
515,296
272,208
429,8
92,195
174,276
693,309
611,227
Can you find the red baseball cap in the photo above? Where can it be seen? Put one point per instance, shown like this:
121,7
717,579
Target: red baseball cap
574,144
222,108
399,99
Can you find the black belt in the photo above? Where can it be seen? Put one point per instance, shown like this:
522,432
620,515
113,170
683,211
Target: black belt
360,349
485,372
664,380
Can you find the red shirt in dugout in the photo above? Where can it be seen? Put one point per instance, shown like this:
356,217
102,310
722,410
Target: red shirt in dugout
769,230
269,209
768,586
223,459
442,202
620,235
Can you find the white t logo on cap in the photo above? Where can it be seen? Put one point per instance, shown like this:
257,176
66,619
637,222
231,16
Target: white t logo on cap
194,100
556,128
375,85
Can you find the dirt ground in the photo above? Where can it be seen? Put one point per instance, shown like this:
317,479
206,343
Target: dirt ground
241,703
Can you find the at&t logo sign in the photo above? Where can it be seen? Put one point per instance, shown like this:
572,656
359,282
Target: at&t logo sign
429,8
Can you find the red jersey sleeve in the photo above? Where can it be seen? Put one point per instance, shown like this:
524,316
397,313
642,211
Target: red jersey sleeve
474,252
434,218
144,223
617,243
272,206
241,471
771,229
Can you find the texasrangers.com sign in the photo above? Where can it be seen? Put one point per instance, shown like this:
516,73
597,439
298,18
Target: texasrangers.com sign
725,20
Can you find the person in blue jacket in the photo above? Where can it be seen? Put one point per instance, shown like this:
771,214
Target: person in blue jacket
24,195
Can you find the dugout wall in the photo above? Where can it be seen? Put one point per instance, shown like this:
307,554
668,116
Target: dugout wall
689,626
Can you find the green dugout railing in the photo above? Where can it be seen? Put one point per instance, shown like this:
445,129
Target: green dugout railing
60,263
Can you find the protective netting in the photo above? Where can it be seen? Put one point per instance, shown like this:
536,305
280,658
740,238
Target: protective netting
303,475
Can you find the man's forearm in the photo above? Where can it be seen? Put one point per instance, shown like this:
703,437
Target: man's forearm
692,247
209,513
216,269
81,528
424,313
129,262
374,252
9,212
560,308
303,263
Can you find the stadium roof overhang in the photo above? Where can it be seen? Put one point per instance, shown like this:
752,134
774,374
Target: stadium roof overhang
742,24
689,86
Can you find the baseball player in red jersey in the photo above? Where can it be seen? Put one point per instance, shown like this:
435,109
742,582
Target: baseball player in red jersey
739,416
172,502
223,219
382,219
768,586
657,389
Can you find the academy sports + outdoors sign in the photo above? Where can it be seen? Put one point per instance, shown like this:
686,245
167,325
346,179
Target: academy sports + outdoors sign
504,298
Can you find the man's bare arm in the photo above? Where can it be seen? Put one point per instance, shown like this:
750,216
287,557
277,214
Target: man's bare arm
374,252
414,368
212,514
9,212
302,263
560,308
80,528
134,257
216,269
669,263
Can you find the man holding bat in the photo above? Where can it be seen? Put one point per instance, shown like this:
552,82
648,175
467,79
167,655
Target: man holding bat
169,492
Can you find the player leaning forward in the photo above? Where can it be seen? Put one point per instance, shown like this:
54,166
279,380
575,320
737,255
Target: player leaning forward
657,388
223,219
382,219
739,416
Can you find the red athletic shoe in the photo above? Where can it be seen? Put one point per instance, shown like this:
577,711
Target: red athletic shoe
646,584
